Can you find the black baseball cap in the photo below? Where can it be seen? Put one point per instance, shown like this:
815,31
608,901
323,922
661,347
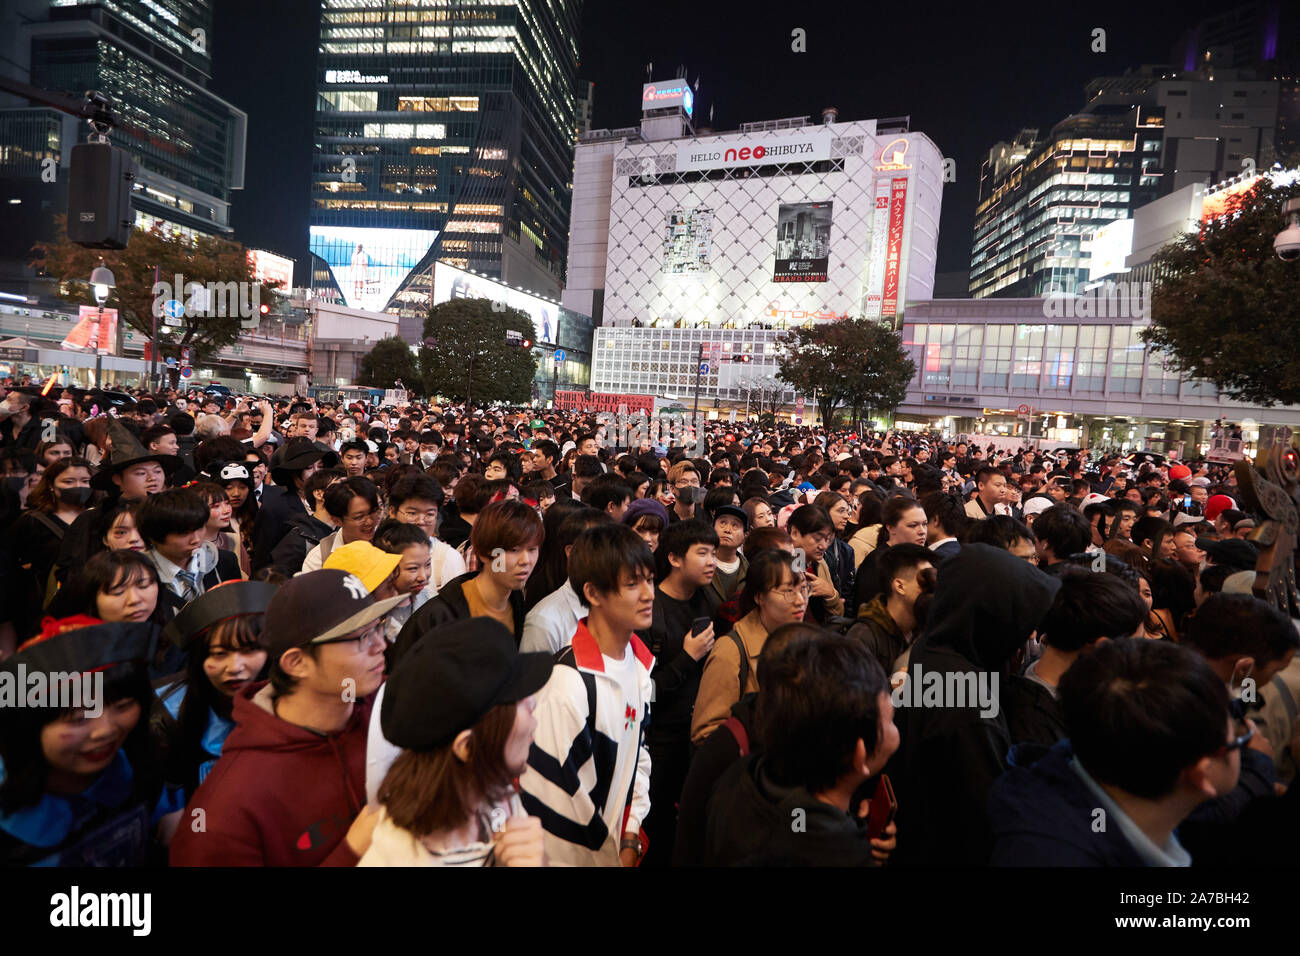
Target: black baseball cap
319,606
449,680
1231,552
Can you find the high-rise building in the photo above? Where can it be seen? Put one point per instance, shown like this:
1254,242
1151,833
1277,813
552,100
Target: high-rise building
1141,136
442,131
152,59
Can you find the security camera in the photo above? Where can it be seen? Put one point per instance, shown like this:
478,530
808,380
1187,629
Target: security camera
1287,243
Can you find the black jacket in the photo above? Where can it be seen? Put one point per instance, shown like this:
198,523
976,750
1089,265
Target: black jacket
712,758
754,821
1042,814
839,559
1033,714
303,532
278,506
446,606
986,605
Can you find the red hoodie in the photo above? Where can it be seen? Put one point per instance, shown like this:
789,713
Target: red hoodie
280,795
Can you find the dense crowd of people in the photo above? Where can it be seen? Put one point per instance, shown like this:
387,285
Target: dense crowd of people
324,634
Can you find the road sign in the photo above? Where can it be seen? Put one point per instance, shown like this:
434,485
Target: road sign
559,355
704,368
1022,410
173,309
186,372
187,355
171,361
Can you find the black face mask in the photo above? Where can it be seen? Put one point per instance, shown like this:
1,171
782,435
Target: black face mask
75,496
15,485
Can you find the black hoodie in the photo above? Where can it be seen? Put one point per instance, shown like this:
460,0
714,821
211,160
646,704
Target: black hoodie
987,603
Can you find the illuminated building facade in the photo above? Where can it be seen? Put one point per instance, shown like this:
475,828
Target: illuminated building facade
450,123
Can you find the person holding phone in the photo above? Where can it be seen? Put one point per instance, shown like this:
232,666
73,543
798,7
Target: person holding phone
680,637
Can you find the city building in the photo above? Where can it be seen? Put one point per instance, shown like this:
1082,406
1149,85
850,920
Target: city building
441,132
151,58
1141,136
726,240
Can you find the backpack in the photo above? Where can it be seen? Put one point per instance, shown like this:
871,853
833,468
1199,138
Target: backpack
744,661
737,730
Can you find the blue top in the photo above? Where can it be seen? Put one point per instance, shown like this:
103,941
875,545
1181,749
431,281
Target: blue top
214,736
97,827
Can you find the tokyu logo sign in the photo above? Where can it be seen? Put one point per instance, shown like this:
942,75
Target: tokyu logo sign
755,151
655,96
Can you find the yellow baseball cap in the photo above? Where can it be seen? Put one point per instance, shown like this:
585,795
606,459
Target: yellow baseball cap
372,565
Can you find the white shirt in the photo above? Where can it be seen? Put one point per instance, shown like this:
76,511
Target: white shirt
549,626
316,557
445,563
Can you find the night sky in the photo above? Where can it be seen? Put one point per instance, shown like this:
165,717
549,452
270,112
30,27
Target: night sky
968,75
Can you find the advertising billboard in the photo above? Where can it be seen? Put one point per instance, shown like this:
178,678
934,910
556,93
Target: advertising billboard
604,402
95,331
879,231
665,93
893,258
368,265
686,241
757,149
270,268
803,242
450,282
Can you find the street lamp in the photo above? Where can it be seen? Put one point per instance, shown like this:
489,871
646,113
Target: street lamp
1287,243
102,282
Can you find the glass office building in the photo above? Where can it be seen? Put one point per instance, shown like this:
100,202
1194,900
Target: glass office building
447,117
151,58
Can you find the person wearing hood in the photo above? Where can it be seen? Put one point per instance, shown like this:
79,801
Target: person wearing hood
825,722
1132,769
289,788
987,604
303,532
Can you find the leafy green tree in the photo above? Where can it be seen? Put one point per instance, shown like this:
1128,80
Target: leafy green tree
470,359
208,260
389,360
858,363
1224,307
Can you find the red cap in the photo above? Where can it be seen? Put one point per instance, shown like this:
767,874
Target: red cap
1179,471
1217,505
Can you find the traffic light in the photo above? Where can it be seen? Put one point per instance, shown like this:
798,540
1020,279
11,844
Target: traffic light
266,309
526,343
744,358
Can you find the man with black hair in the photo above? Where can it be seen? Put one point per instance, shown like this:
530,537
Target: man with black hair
946,519
289,787
418,499
1089,608
352,455
353,507
305,532
1134,766
588,775
886,624
1061,531
608,493
826,726
586,468
990,494
687,560
291,465
503,465
172,524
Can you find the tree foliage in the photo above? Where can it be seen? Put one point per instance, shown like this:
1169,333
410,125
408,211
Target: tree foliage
470,352
389,360
208,260
858,363
1225,308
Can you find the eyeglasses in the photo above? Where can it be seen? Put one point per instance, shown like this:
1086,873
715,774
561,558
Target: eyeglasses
795,595
1238,742
375,630
418,516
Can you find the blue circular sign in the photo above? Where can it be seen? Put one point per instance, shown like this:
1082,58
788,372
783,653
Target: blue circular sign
171,361
704,368
186,372
173,308
559,355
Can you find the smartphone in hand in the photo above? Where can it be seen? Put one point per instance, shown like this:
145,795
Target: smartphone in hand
700,625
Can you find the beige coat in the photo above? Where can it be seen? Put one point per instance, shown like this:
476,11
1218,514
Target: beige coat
863,543
720,682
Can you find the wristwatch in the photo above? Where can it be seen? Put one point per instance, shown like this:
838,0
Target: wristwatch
630,842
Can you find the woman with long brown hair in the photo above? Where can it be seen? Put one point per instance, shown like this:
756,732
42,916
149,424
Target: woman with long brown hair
461,708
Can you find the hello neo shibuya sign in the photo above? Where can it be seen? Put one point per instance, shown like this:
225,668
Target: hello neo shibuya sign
761,149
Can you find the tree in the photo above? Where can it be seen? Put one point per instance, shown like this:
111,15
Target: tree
389,360
1224,307
470,359
212,263
859,363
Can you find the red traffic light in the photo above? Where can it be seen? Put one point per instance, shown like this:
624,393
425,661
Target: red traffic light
527,343
744,358
265,308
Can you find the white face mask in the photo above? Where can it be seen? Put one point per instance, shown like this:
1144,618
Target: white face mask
428,457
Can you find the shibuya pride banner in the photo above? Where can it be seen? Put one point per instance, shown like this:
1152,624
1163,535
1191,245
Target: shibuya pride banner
603,402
